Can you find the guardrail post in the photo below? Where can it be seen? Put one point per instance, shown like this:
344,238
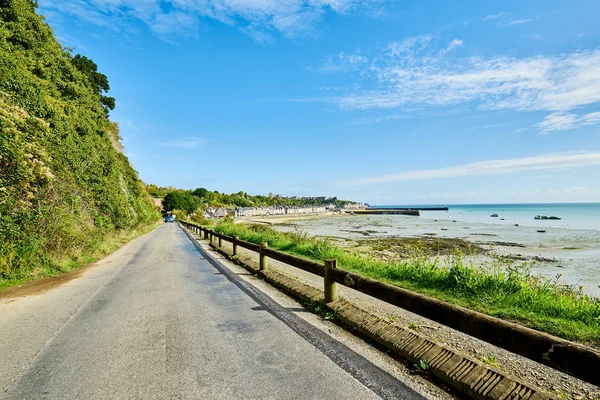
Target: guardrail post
235,239
220,242
263,258
206,234
331,288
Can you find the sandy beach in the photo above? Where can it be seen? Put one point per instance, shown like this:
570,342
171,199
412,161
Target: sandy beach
570,254
285,219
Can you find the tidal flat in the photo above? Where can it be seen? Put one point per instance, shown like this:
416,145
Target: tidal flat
571,256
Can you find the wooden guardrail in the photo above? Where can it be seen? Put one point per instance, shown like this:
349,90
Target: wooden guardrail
577,360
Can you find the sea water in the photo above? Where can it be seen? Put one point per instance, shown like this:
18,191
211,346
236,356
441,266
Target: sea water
572,215
573,241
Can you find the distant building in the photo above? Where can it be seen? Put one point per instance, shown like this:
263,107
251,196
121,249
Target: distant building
353,206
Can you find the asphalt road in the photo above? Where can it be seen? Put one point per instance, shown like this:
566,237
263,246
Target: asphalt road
157,320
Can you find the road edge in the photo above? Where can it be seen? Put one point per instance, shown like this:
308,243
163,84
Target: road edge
468,375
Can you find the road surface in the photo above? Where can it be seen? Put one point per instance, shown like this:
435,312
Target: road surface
158,320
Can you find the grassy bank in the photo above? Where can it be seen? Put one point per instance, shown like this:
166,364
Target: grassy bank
87,253
68,193
503,290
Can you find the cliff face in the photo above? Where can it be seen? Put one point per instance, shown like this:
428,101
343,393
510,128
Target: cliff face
65,185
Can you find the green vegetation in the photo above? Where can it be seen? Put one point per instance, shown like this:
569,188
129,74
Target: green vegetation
491,361
414,326
242,199
180,201
423,366
503,290
319,308
421,246
67,192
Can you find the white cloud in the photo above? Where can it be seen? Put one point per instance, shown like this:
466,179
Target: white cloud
416,72
376,120
490,126
561,121
353,58
343,62
454,44
261,19
184,144
515,22
491,167
408,46
495,16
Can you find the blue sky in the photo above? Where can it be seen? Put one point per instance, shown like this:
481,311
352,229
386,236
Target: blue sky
388,102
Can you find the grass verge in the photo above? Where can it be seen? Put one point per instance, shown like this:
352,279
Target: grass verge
86,255
503,289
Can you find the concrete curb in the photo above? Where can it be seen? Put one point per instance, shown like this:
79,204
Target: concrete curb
469,376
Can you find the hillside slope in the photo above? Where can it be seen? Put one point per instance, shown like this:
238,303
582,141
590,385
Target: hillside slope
66,189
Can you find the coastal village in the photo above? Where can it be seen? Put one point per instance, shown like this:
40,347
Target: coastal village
249,212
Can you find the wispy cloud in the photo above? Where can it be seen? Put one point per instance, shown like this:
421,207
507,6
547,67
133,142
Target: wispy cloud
453,45
376,120
492,167
561,121
184,144
409,46
516,22
343,62
261,20
419,71
495,16
505,20
491,126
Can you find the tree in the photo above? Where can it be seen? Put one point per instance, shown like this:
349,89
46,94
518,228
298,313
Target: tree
90,69
200,192
180,201
98,81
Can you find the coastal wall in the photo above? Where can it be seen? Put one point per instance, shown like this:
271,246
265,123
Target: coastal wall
387,211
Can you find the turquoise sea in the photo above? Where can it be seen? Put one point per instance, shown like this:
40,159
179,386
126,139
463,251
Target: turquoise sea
573,215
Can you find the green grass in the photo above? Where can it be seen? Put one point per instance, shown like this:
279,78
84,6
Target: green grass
505,290
93,250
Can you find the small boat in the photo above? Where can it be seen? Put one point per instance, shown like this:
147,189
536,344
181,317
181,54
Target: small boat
553,217
540,217
541,231
516,224
501,219
494,215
